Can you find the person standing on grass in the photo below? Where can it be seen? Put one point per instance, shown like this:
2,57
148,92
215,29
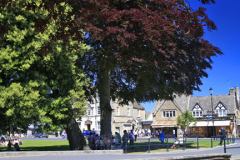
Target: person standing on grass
222,135
131,136
135,135
118,137
162,136
125,138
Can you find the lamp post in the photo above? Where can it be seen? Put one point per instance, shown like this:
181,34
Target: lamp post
211,92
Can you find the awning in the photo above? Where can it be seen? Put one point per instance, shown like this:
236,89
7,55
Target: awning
161,124
209,123
199,124
219,123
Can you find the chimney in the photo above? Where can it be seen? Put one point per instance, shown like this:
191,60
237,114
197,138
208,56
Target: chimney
237,94
232,90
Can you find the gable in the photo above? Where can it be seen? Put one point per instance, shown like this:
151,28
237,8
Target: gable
197,107
220,106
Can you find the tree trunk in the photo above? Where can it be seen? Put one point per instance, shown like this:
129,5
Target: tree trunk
106,110
75,137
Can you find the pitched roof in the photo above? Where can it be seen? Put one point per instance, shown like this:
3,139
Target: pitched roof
137,105
204,102
185,102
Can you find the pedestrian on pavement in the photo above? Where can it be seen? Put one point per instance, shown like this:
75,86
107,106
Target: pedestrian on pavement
131,136
162,136
174,135
135,135
222,135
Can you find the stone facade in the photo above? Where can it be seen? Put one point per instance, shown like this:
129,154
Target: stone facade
124,117
225,113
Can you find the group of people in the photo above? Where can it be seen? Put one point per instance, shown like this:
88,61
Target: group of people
104,142
10,143
112,142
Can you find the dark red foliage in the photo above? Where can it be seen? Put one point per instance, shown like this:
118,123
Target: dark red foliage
156,45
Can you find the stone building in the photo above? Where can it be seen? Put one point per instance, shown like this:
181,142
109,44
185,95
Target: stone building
225,114
127,117
124,117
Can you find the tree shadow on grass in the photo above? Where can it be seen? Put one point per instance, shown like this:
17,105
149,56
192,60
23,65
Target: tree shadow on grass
40,148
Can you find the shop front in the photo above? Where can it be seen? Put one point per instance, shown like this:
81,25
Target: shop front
166,126
208,128
146,124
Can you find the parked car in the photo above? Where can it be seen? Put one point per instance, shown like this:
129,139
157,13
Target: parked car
40,135
86,133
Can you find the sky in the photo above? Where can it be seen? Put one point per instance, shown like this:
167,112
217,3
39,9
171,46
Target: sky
225,68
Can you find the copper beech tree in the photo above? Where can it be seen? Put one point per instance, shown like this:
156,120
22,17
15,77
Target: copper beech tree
144,50
141,50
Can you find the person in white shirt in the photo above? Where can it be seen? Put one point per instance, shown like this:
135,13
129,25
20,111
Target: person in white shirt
174,135
135,135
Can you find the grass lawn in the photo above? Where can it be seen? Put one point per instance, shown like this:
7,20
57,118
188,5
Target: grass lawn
139,146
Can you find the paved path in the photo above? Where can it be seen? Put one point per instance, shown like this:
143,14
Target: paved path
111,156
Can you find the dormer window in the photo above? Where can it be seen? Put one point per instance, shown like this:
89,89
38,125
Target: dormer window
197,111
220,110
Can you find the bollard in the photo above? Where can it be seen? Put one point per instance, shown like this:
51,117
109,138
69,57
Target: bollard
224,145
126,141
211,143
167,145
183,144
197,143
148,145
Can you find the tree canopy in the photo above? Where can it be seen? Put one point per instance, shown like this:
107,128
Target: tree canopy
144,50
39,79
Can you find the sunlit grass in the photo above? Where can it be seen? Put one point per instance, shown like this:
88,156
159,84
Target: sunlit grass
139,146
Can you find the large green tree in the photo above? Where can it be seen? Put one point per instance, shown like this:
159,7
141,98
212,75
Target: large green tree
144,50
39,80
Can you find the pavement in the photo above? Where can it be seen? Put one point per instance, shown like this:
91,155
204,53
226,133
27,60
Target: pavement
202,153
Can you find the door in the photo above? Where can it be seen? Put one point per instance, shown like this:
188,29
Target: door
88,127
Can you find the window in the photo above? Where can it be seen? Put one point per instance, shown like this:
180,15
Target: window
117,111
98,125
169,114
98,110
197,111
89,112
79,124
128,111
138,113
221,110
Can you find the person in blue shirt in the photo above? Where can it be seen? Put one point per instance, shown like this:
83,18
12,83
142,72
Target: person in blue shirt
162,136
131,137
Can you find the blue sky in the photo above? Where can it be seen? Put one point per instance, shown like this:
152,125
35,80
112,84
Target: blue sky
225,72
